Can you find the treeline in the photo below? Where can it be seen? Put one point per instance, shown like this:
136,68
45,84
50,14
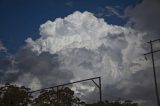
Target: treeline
114,103
12,95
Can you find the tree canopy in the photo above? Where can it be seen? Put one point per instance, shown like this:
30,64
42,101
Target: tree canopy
12,95
114,103
62,97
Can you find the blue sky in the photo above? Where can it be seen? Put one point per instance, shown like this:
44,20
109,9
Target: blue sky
22,18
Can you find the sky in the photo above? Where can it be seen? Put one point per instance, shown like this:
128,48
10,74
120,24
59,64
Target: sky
50,42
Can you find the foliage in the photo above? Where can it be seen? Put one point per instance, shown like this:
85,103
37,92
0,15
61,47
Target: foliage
10,95
62,97
114,103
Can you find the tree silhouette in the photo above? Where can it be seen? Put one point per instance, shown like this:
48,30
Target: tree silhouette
11,95
114,103
62,97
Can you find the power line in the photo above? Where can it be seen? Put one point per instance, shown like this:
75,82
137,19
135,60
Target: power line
154,69
70,83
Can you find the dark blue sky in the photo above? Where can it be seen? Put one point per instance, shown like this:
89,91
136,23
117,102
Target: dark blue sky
21,19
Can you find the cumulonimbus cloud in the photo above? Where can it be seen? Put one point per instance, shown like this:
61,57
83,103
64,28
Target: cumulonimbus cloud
85,35
87,46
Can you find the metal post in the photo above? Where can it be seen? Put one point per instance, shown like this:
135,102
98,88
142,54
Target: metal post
155,77
100,92
57,96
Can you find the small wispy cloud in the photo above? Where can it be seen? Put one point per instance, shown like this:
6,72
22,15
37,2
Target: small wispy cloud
2,47
109,11
69,3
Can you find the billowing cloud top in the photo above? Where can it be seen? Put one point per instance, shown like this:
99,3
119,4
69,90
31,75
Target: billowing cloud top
78,30
88,46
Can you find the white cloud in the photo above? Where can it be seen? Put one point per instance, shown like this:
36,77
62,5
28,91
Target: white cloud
35,84
88,46
71,32
82,39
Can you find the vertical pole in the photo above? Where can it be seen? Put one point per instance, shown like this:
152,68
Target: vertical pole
155,77
57,96
100,92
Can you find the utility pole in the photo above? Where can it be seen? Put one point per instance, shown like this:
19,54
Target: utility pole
154,69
